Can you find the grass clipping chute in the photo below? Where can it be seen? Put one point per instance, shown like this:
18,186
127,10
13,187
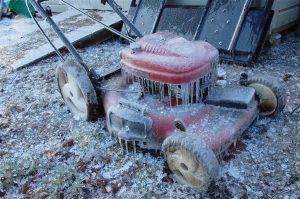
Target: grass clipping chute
19,7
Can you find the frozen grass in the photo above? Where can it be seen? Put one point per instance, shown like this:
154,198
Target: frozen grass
45,153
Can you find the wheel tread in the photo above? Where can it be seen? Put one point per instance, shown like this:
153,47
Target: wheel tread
85,84
275,86
199,148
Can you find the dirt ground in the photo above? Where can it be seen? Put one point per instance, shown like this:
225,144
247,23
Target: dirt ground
46,153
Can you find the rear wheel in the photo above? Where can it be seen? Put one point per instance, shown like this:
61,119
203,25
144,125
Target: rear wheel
77,90
190,159
271,95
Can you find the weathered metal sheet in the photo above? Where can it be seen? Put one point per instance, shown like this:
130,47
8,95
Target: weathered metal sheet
234,27
252,35
222,22
146,15
182,20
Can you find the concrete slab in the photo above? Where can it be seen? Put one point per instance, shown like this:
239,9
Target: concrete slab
21,43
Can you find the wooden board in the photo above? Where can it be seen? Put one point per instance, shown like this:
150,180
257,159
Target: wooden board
31,46
58,6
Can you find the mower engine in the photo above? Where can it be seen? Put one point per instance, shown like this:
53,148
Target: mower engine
172,73
171,67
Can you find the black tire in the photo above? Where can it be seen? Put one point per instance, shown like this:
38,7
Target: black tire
77,90
191,160
271,94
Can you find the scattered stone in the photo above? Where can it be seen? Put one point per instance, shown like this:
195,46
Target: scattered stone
5,122
221,74
2,193
294,179
275,38
68,143
286,77
221,82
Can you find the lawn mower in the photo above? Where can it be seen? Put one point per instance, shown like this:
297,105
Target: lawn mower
165,97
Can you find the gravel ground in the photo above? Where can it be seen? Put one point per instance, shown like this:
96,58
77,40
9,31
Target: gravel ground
46,153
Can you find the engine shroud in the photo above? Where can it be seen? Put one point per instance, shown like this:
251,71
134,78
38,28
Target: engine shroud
167,58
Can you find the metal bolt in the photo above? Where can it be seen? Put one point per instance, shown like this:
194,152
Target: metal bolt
220,43
212,20
228,21
216,31
135,47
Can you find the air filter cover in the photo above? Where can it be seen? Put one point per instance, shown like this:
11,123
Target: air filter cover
168,58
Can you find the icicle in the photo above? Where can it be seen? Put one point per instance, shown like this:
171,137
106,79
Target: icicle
151,86
159,89
201,93
162,91
143,85
169,94
234,143
128,77
187,94
134,147
192,92
148,85
226,152
140,82
126,145
176,94
120,142
197,91
183,93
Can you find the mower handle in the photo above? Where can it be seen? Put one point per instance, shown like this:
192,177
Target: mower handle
36,4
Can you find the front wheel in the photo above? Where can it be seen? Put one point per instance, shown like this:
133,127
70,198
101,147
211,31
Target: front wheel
191,161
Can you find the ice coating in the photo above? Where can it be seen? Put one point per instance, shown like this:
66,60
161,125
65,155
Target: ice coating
176,94
218,126
167,58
